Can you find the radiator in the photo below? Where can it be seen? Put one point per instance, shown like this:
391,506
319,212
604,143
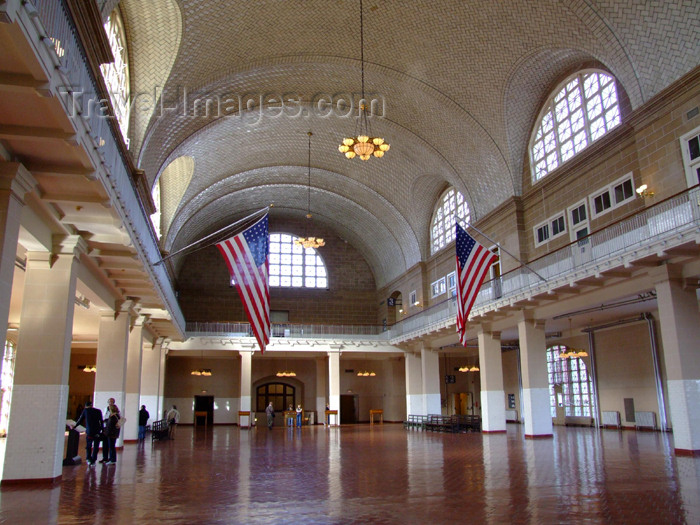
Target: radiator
611,419
511,415
645,420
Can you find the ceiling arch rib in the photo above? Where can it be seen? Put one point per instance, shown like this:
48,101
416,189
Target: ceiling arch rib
154,31
382,250
345,189
432,129
173,183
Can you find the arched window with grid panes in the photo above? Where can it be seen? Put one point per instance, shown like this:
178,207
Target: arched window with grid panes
571,373
293,266
116,74
451,204
581,109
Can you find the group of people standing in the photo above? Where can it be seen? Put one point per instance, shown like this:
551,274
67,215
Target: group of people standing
270,413
99,429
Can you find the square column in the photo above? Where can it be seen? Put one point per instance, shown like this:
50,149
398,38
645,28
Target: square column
321,388
533,358
493,397
414,384
430,379
680,332
334,383
131,408
245,421
15,183
112,351
150,379
36,433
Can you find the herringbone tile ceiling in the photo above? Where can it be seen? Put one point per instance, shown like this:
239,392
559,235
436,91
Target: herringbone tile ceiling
460,84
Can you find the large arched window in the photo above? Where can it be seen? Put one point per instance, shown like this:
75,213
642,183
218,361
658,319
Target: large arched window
116,74
571,374
294,266
582,109
442,228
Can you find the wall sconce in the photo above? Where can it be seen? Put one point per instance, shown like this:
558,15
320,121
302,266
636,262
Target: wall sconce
89,369
417,303
643,192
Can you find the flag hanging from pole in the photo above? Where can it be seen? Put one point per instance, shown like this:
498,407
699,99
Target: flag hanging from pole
473,263
246,256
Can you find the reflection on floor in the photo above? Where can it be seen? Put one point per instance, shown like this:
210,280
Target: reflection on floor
378,474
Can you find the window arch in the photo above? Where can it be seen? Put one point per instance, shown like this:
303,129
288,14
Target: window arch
292,265
582,109
576,385
116,74
442,227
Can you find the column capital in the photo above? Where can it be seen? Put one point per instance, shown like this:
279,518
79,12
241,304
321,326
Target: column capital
487,329
666,272
17,179
246,353
73,245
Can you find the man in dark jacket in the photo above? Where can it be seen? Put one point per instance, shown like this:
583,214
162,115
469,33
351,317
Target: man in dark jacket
143,421
92,419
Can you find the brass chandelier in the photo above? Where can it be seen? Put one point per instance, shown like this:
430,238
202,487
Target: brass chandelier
363,144
309,242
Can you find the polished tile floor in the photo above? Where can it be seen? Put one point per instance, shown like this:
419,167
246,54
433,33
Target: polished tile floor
379,474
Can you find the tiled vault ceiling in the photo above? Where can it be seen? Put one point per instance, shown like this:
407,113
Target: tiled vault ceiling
460,85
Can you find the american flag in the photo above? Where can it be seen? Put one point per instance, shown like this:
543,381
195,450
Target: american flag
473,263
246,258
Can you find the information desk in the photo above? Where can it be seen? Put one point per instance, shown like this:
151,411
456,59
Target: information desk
290,418
330,413
376,412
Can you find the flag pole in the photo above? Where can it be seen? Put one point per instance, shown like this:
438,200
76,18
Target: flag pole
467,225
254,214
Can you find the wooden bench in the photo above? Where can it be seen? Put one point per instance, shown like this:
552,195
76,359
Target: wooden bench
159,430
441,423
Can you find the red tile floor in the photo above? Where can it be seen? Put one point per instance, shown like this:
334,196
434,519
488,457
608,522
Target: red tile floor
379,474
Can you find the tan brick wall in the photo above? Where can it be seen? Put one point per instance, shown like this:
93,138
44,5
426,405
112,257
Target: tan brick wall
205,294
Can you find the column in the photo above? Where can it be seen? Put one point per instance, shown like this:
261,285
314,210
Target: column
36,434
161,379
112,349
245,403
430,379
493,398
130,431
414,384
150,379
533,363
15,183
334,383
321,389
680,332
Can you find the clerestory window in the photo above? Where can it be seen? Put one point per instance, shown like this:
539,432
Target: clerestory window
582,109
451,204
294,266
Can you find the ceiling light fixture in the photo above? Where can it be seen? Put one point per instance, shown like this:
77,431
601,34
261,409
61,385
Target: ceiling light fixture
309,242
363,144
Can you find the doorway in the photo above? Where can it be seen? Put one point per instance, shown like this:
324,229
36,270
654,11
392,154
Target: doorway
349,408
204,404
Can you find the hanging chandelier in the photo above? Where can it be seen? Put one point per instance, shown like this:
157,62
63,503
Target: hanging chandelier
309,242
285,373
201,372
363,144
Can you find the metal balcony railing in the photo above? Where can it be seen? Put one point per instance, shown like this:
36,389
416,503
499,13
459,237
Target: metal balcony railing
310,331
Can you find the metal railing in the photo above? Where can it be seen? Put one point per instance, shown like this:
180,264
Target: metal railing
311,331
83,96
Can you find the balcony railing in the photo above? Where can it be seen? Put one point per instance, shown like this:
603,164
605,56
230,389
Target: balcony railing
311,331
663,222
83,96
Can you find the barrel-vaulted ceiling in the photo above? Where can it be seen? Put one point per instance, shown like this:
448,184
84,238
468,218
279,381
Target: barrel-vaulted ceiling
460,85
